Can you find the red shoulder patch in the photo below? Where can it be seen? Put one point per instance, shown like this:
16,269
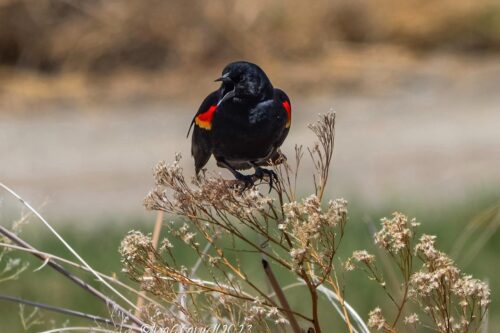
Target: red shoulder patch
204,120
288,109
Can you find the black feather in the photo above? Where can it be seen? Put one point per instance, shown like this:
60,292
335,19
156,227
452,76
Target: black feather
249,124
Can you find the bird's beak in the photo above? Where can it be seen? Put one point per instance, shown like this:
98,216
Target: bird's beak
224,78
227,96
230,94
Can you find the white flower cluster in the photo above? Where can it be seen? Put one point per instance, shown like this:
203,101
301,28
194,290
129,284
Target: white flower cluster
305,219
396,233
375,319
132,245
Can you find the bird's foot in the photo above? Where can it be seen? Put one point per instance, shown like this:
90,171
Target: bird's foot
247,180
260,173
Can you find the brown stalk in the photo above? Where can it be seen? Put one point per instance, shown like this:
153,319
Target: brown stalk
314,300
155,239
281,296
223,290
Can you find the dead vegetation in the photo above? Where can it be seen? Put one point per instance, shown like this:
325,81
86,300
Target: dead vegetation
102,36
231,233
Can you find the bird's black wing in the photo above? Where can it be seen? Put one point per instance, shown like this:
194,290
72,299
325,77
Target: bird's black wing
201,143
284,102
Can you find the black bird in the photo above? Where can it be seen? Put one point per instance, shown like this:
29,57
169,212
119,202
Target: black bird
242,124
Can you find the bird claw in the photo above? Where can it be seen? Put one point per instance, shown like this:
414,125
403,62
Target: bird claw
248,181
260,173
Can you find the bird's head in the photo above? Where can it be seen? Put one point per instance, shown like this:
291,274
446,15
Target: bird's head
243,81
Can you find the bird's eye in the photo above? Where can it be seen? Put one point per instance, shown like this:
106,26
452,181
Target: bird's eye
229,86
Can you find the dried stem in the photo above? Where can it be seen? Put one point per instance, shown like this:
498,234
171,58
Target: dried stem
57,267
156,237
281,296
68,312
300,236
450,300
61,239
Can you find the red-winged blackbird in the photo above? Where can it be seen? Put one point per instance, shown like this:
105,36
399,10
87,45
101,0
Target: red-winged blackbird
242,124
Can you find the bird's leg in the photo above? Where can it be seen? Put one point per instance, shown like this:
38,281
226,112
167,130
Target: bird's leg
261,172
246,179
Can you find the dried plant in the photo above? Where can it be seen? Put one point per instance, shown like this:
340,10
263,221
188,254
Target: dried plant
433,292
12,267
9,241
301,236
226,228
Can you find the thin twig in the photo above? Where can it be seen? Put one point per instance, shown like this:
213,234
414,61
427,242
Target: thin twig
47,224
71,263
70,276
67,311
79,329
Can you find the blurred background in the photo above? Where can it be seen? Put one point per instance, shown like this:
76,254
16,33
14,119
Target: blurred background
94,93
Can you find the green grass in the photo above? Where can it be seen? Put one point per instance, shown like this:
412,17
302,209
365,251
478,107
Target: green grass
99,246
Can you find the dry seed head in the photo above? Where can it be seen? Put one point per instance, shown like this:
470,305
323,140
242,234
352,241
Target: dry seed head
305,219
423,284
426,247
363,256
395,234
349,265
411,319
467,287
133,244
155,200
375,319
337,212
166,244
168,174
